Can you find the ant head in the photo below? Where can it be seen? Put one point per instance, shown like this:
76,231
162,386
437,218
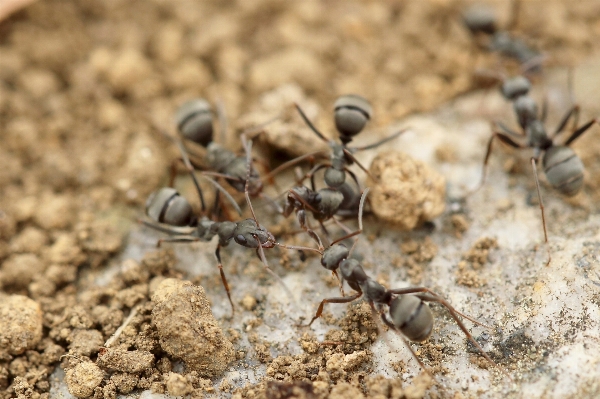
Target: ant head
333,255
515,87
412,317
352,112
194,121
167,206
249,234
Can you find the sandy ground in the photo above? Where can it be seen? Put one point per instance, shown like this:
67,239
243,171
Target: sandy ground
84,91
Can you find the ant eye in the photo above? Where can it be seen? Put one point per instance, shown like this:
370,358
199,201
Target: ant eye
241,239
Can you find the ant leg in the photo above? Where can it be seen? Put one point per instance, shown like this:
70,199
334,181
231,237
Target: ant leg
223,278
377,144
343,227
455,315
289,164
430,295
344,299
310,125
179,230
360,214
301,216
261,255
505,139
176,240
360,165
271,201
324,229
572,112
581,130
190,168
537,185
223,191
335,273
248,148
405,341
311,174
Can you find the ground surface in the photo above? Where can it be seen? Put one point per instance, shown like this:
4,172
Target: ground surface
85,89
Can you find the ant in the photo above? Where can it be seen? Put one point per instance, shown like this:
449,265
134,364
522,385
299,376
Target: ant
351,114
194,121
561,165
172,214
481,21
408,309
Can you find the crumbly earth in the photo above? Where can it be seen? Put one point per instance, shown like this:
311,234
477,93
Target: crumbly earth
81,117
405,192
187,329
21,321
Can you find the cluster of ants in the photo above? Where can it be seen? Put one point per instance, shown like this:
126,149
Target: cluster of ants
403,310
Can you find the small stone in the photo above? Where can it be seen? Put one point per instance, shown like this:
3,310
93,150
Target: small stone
178,385
405,192
85,342
188,330
83,379
249,302
125,361
21,321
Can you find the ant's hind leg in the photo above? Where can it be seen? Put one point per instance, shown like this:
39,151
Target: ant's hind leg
223,278
345,299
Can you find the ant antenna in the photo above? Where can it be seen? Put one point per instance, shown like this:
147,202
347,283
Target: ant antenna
310,124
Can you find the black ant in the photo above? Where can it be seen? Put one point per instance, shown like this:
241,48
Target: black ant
194,121
408,309
172,214
561,165
481,21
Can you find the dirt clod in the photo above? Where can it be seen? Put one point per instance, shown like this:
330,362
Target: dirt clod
405,192
125,361
178,385
83,379
187,328
21,321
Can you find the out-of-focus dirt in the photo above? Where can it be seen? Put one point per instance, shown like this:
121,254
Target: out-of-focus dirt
84,88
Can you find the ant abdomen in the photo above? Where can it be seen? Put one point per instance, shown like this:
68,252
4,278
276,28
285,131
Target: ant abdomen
194,121
479,18
412,317
167,206
515,87
352,112
564,170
